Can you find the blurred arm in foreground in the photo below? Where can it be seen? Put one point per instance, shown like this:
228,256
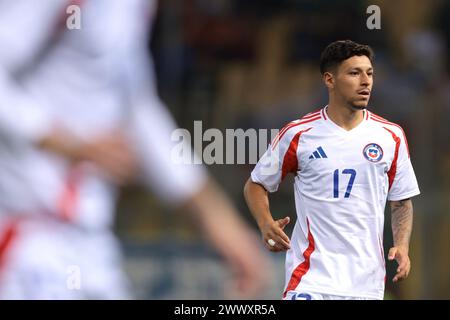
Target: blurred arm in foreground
209,207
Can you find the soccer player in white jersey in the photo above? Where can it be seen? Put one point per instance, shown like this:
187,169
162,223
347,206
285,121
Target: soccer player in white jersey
79,115
347,163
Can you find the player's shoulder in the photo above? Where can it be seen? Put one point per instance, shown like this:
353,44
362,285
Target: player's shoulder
385,124
307,121
299,126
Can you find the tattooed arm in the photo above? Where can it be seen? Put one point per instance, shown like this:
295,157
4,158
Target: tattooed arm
402,222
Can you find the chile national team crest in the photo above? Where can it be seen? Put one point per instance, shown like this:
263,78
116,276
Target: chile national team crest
373,152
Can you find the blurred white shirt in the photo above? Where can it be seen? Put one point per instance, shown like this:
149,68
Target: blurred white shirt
90,80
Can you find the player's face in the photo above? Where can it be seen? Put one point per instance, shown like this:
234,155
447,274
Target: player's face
353,81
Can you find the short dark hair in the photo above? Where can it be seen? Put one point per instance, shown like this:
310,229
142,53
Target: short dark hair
341,50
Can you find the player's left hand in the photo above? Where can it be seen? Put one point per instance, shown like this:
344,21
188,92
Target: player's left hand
400,254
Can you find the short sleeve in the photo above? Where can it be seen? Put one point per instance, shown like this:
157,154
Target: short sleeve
279,159
402,179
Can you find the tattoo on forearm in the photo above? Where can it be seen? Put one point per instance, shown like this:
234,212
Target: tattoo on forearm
402,221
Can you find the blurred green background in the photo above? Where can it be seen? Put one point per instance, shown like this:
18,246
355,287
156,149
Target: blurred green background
254,64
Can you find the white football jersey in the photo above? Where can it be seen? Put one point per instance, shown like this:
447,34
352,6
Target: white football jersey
342,181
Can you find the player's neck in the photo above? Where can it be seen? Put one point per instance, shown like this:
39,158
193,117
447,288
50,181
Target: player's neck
345,117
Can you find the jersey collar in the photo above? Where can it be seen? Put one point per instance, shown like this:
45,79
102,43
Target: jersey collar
338,128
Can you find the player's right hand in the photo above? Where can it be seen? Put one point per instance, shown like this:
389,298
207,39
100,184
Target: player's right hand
274,230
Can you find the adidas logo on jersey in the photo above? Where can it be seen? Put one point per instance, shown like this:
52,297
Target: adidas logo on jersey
318,154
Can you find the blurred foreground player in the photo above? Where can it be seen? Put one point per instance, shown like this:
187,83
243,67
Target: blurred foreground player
79,115
347,162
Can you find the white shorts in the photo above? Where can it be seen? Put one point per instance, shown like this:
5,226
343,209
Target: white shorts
51,260
296,295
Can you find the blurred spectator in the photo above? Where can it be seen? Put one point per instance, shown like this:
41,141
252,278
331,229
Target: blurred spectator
79,116
217,77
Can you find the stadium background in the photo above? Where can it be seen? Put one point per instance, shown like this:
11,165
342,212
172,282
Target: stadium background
254,64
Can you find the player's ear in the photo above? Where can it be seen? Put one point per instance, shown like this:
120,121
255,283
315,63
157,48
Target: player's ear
328,79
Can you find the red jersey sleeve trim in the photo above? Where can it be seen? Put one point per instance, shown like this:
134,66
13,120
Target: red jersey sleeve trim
290,160
393,170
